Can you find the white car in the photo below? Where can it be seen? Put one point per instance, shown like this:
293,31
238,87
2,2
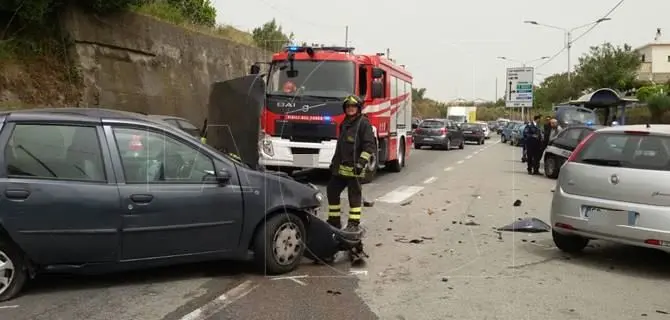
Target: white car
485,127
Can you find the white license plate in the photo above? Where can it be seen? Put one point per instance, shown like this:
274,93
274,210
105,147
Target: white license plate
306,160
601,216
467,131
428,139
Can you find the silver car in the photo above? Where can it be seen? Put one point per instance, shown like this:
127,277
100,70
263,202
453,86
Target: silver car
615,186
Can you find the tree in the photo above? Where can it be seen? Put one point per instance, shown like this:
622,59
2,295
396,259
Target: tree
271,37
658,105
607,66
199,12
645,93
418,94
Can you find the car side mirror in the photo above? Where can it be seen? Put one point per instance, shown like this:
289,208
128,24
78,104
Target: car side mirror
377,90
377,73
223,176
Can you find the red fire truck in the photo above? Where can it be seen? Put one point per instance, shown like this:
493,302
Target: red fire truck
303,110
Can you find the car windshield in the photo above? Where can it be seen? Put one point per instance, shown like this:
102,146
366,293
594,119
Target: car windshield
333,79
432,124
651,152
577,116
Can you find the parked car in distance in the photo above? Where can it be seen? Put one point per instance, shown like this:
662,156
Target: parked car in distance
517,135
559,149
493,126
96,190
614,186
502,123
485,128
506,133
473,132
178,122
438,133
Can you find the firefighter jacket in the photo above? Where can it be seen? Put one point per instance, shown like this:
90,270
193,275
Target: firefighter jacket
355,145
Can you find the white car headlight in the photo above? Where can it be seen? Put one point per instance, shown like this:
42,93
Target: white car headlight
319,196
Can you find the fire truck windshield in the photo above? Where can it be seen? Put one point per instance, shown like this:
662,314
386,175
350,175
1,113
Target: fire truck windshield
329,79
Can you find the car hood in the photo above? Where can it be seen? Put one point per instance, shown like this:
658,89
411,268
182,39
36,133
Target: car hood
280,188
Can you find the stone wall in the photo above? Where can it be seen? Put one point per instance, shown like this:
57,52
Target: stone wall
136,63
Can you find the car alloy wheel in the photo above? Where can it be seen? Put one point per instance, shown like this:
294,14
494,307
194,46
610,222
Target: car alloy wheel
7,272
287,243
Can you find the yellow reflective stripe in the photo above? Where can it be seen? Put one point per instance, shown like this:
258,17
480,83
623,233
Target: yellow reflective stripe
346,171
365,155
235,156
355,210
334,207
333,213
355,217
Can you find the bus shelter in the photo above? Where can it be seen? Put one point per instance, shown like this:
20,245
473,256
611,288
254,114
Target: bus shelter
609,101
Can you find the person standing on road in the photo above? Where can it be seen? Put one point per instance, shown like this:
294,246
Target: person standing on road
533,136
355,146
547,132
553,133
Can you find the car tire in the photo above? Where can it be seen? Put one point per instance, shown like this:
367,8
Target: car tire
462,145
398,164
483,141
283,228
18,275
448,145
569,243
551,168
503,139
417,146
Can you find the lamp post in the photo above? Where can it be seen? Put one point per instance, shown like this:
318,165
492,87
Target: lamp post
568,34
522,62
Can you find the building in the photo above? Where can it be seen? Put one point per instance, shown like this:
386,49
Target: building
655,60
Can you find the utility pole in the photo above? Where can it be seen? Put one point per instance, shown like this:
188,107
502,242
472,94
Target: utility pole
346,36
388,53
568,46
496,96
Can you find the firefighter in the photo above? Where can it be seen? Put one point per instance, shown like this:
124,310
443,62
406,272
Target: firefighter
355,146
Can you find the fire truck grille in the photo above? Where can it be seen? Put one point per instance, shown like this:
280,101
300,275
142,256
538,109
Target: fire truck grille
305,131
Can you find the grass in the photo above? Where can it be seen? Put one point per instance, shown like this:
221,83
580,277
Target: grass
164,12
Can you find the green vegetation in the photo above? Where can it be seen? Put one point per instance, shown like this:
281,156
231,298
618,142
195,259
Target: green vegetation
270,36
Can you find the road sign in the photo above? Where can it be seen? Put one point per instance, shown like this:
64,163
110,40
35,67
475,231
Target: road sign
519,90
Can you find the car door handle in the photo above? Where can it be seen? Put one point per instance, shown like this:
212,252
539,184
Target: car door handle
141,198
17,194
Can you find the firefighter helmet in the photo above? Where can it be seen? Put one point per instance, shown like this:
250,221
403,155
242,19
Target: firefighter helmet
352,100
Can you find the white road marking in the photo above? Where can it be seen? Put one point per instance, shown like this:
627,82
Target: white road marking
429,180
289,277
9,307
298,282
222,301
400,194
448,168
460,162
468,157
358,272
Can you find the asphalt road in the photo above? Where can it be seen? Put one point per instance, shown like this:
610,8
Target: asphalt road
453,270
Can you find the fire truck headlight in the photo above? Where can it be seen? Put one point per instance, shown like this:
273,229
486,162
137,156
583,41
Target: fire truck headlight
266,147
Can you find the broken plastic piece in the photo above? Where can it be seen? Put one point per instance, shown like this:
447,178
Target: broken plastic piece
517,203
530,225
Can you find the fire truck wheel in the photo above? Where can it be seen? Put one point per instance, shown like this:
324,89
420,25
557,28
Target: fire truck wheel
398,164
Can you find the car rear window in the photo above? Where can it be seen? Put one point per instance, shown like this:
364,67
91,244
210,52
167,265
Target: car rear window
432,124
649,152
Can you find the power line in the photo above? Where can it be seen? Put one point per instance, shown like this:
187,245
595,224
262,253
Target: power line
581,35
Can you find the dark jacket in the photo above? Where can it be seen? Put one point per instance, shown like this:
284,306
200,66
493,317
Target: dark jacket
532,134
356,143
547,133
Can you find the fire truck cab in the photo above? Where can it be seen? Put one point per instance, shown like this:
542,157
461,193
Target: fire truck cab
303,109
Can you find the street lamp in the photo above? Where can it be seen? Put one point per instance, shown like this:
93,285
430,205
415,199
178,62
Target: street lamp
522,62
568,34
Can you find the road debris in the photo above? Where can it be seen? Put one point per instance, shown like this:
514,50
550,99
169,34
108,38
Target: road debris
406,203
368,203
471,215
333,292
430,211
517,203
471,222
530,225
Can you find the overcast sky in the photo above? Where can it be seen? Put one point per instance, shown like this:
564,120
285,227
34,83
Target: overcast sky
451,47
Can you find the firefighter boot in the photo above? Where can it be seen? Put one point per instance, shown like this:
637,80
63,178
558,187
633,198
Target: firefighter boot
334,216
354,221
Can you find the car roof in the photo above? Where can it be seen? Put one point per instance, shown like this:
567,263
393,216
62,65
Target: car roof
651,128
164,117
80,114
